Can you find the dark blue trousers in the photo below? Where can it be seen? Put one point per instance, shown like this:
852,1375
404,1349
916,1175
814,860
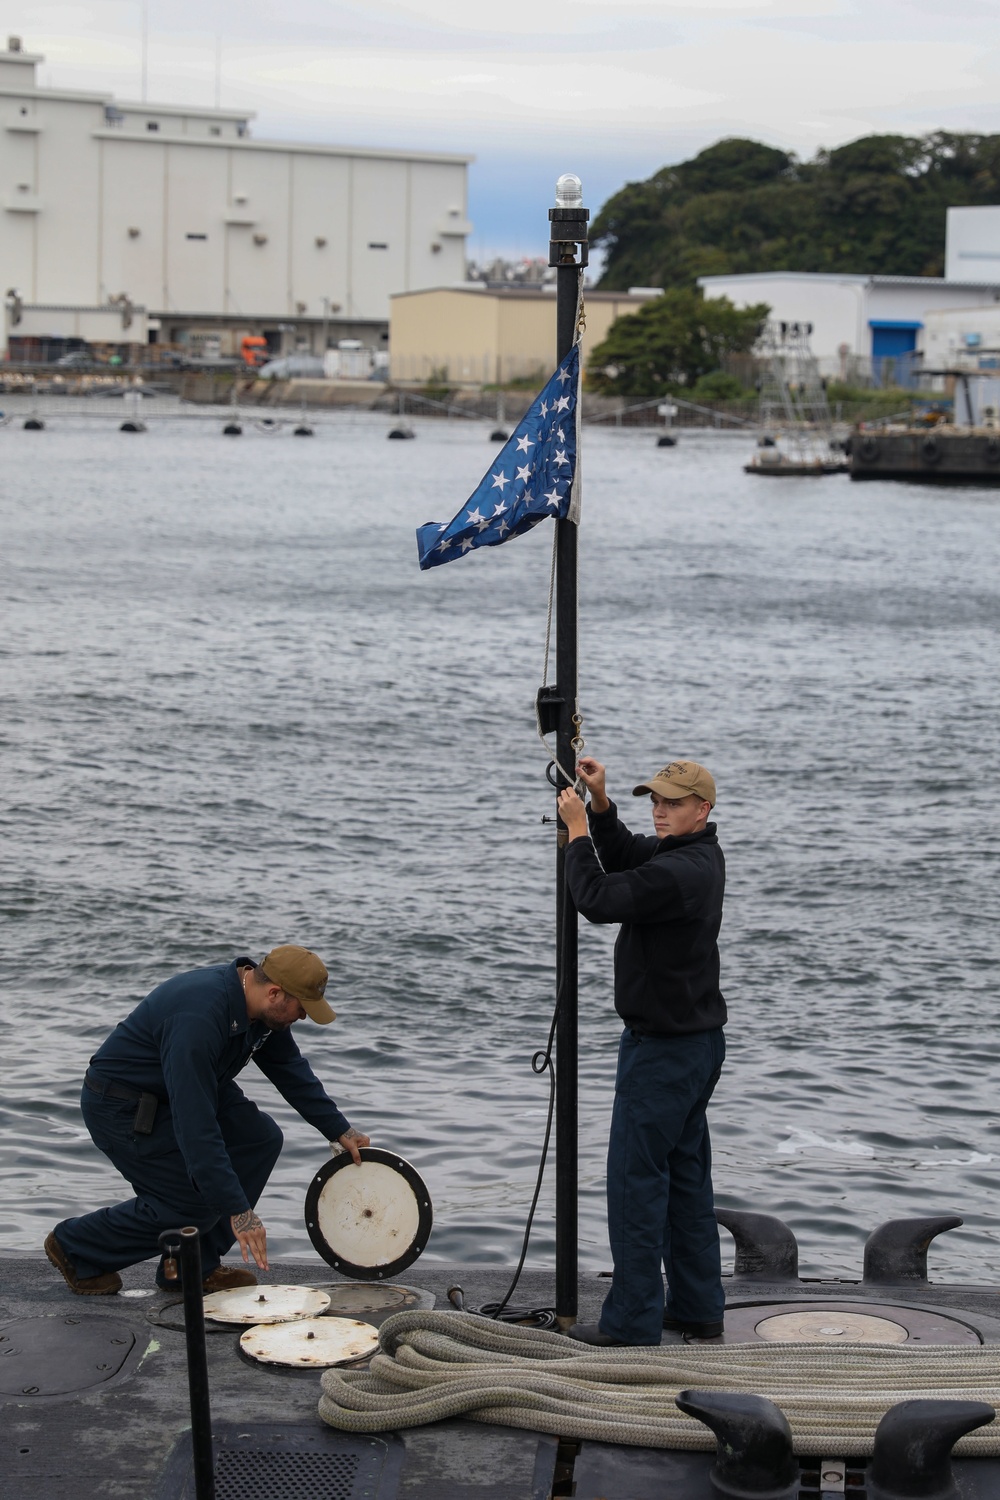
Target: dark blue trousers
661,1210
166,1197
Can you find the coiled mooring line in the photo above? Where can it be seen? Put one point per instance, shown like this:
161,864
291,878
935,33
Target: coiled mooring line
433,1365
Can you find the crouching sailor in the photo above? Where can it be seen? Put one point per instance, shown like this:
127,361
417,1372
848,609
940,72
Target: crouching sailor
160,1101
666,892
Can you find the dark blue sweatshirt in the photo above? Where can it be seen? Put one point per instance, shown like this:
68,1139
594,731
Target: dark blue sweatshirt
667,894
183,1043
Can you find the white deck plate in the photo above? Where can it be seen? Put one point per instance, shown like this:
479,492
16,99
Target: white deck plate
266,1304
831,1328
369,1214
314,1343
369,1222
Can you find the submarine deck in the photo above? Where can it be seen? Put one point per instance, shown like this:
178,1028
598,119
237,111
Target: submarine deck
113,1440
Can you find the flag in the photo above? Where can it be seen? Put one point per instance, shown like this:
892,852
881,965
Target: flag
531,479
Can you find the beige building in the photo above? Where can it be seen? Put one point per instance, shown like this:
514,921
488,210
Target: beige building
178,219
475,334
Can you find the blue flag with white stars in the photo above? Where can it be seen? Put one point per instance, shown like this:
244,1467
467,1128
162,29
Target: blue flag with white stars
531,479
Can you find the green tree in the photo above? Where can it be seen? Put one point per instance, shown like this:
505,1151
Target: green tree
672,341
876,205
718,386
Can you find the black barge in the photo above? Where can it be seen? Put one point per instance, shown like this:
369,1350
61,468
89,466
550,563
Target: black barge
938,455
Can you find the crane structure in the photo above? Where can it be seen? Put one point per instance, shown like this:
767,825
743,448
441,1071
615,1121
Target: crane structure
795,422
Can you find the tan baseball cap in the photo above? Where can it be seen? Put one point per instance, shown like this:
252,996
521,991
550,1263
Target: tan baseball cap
302,974
682,778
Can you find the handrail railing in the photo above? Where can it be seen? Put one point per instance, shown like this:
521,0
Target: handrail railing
708,411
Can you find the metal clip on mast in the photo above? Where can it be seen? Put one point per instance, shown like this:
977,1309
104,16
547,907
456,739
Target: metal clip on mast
184,1245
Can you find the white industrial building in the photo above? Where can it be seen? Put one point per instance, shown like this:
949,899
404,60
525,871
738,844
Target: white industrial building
857,321
962,338
126,221
972,243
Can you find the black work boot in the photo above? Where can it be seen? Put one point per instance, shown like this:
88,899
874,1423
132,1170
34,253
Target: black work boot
693,1330
590,1333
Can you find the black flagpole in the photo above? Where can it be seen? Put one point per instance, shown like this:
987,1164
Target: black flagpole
568,253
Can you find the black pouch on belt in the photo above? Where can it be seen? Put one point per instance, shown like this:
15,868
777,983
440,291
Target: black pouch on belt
145,1114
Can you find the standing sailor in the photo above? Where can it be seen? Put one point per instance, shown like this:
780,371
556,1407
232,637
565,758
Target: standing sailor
160,1101
666,892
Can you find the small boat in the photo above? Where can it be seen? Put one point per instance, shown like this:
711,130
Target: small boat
775,464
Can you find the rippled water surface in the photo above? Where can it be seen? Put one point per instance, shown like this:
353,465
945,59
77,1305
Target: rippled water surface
234,714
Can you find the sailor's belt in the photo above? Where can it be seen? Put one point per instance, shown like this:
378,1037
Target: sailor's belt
146,1104
112,1090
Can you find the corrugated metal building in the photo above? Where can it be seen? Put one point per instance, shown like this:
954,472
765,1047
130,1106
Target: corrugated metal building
180,211
857,321
480,334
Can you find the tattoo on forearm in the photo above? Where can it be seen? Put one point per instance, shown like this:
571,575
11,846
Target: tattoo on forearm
246,1222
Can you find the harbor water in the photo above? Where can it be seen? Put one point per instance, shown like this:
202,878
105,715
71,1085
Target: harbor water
235,714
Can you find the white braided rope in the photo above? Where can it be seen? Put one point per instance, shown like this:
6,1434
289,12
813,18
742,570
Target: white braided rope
434,1365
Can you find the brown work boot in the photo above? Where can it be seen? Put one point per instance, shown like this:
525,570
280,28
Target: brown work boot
224,1278
85,1286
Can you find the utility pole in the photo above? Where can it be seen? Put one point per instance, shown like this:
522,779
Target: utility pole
568,254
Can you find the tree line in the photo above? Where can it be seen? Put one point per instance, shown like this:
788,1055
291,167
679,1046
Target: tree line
876,205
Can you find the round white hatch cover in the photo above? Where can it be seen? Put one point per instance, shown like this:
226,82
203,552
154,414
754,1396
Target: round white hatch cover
312,1343
266,1304
371,1221
832,1328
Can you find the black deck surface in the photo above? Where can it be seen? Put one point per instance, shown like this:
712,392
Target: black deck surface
452,1460
114,1440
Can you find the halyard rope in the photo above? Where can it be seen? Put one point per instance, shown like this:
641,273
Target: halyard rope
433,1365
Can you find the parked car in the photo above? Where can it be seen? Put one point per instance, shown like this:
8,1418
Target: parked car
77,359
292,366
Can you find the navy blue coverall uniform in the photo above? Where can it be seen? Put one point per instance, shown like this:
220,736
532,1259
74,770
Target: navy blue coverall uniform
211,1150
667,895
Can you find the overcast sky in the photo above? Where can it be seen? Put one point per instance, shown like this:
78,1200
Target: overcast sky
610,89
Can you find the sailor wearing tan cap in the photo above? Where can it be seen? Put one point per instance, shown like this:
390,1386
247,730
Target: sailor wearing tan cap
666,891
161,1102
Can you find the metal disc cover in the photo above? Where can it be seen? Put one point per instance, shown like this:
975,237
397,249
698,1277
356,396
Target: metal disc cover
831,1328
266,1304
368,1222
311,1343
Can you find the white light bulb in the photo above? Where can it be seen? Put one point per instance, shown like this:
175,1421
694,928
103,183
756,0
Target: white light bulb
569,191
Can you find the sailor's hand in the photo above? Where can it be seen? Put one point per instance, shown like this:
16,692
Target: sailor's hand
252,1237
351,1141
592,774
573,814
